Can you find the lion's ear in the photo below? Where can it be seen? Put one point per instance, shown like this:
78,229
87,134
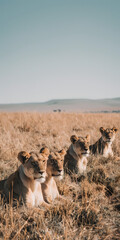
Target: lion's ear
23,157
62,152
114,129
102,129
73,138
88,138
45,151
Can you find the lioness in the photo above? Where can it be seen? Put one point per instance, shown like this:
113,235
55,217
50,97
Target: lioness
103,145
76,158
54,172
25,183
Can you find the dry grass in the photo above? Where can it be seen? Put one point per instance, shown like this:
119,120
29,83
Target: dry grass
91,209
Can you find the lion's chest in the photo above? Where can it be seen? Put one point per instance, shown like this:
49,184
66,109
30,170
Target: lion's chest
82,164
52,189
108,151
34,197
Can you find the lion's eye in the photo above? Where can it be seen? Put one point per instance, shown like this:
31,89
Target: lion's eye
33,164
43,160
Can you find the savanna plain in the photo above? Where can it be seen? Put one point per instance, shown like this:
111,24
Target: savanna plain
91,209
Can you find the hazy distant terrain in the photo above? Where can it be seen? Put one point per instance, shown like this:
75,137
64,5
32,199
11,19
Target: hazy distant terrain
67,105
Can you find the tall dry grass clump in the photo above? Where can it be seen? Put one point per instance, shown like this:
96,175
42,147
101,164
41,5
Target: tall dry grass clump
91,206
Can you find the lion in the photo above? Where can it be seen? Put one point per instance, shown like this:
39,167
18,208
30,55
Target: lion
25,183
55,172
76,157
104,145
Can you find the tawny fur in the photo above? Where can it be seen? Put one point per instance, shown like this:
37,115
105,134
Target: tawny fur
54,172
76,157
25,183
104,145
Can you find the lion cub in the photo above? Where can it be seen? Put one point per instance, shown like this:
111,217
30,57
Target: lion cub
54,172
104,145
25,183
76,158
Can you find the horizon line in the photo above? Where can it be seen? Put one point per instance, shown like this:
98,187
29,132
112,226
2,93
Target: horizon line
59,99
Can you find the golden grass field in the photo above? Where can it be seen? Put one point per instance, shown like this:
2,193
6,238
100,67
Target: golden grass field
91,210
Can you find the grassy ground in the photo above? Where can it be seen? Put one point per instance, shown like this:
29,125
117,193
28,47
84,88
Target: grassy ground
92,206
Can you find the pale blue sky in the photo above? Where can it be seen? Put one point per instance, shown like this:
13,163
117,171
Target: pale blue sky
59,49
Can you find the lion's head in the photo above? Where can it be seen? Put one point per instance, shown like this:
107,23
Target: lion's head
55,164
108,134
80,144
34,164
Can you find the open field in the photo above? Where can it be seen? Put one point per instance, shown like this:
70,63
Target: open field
66,105
92,206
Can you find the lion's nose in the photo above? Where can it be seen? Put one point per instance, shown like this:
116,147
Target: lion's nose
59,170
41,172
86,149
